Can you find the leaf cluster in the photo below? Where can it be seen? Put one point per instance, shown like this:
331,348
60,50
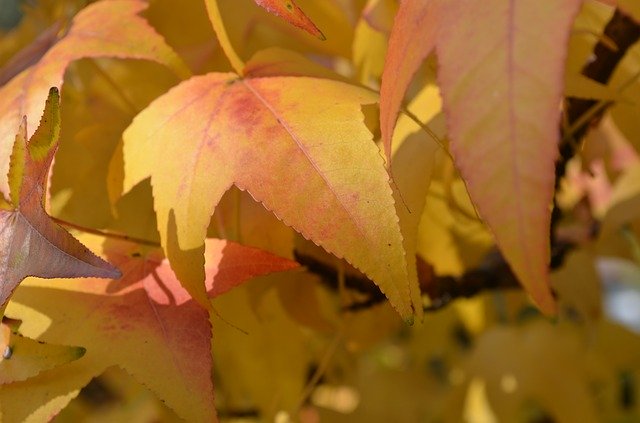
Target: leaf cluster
367,163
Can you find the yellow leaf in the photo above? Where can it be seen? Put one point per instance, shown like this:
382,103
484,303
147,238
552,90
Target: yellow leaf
24,357
266,363
106,28
223,38
309,159
243,29
369,50
144,323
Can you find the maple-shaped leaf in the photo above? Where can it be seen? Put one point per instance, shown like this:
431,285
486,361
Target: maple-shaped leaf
145,323
103,29
32,244
308,158
291,12
501,80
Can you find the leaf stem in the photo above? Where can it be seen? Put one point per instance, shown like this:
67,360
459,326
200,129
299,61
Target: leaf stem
105,234
405,109
320,371
425,128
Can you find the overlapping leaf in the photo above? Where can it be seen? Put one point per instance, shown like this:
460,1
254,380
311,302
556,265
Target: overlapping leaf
308,158
415,20
501,80
24,357
31,243
144,323
104,29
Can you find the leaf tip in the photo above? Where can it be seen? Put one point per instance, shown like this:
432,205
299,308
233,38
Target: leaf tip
79,352
54,92
409,320
547,305
543,298
113,272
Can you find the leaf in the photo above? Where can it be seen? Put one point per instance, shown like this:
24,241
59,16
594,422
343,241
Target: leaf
501,81
243,29
24,357
308,158
369,48
142,323
266,365
103,29
31,243
126,400
215,17
40,398
413,161
415,20
290,12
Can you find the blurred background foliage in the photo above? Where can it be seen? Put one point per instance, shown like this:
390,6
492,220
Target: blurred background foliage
284,349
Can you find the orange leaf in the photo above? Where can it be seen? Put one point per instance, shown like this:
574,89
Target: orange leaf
501,81
415,20
142,323
103,29
31,243
308,158
290,12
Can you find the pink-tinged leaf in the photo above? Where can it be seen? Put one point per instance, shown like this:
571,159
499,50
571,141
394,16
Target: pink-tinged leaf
501,78
291,12
103,29
229,264
144,322
413,37
308,158
31,244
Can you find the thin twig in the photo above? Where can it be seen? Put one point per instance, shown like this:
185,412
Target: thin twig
105,234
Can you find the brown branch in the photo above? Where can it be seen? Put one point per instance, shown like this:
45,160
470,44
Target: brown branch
623,32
